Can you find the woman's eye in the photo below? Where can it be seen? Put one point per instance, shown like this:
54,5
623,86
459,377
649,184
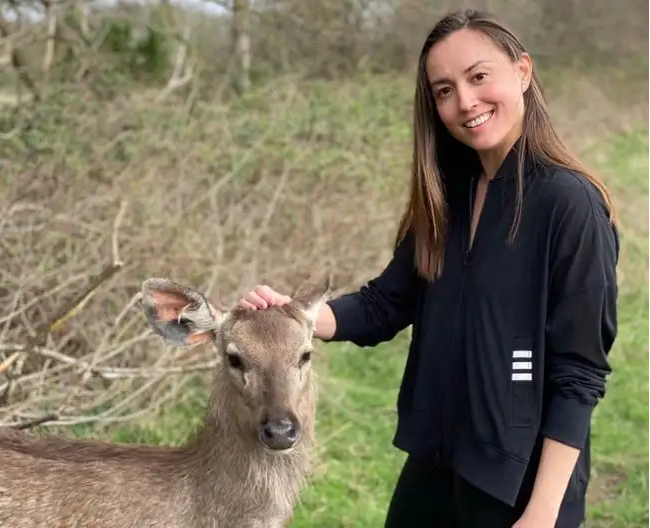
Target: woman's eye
304,358
235,361
480,76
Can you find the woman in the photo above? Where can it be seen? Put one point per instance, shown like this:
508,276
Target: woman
505,265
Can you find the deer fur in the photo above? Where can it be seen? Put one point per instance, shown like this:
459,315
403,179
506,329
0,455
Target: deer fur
224,475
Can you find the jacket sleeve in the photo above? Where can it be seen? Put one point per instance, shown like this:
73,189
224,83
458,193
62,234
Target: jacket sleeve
582,313
382,307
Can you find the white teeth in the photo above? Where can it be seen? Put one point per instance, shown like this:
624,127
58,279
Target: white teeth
479,120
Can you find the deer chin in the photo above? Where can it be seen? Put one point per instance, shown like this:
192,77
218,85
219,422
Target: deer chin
279,452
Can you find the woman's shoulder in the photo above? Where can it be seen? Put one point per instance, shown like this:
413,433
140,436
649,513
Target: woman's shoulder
574,210
569,191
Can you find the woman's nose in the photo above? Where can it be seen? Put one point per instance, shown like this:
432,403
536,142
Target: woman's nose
466,98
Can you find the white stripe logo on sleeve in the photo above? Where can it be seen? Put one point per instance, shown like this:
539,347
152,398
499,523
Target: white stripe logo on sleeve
522,367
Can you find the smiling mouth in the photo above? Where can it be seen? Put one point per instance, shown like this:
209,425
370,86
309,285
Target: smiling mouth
478,121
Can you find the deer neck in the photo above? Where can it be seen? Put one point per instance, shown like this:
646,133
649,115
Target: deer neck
224,453
264,484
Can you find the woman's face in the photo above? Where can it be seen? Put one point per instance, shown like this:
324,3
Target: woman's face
478,90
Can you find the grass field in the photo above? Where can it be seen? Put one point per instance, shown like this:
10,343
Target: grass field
357,464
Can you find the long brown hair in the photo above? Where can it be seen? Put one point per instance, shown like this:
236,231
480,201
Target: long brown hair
437,154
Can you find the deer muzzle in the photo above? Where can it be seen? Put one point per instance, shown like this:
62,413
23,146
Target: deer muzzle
280,434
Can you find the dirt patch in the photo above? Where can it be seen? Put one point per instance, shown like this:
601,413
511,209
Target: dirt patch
604,484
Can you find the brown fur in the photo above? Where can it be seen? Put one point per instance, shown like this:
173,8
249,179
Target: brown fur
222,477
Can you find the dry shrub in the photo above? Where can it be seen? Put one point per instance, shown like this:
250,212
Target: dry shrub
272,189
291,179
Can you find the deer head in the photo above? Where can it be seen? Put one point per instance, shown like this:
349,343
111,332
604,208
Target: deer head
263,385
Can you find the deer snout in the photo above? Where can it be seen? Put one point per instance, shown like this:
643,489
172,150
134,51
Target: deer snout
280,434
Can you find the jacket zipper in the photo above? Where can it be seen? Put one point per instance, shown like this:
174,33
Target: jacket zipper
467,249
466,237
469,245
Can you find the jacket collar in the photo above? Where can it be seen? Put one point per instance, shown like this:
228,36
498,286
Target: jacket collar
508,168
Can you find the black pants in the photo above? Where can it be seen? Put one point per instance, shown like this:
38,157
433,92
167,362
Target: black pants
433,497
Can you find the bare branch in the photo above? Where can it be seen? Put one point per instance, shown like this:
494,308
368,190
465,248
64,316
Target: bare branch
8,362
242,43
182,73
51,16
35,422
78,302
108,373
82,10
116,228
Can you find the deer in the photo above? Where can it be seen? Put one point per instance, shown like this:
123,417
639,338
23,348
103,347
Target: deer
244,467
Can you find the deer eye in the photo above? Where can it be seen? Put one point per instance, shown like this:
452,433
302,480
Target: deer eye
304,358
234,360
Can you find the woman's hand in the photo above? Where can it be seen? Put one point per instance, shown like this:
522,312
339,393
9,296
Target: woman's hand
262,297
538,515
535,521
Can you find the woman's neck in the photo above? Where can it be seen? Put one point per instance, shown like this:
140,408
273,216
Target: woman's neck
491,160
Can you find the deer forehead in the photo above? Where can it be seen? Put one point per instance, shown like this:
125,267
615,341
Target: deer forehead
267,333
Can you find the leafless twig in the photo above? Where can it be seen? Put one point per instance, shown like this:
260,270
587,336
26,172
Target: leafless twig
36,421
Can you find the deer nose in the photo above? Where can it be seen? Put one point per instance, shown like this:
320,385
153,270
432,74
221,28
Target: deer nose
279,435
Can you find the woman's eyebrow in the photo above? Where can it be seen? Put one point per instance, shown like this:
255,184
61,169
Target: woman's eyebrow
466,70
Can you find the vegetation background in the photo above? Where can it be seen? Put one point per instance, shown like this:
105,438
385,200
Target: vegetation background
230,143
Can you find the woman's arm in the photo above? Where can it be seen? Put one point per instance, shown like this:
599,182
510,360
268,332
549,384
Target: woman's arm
581,328
325,324
555,467
582,312
381,308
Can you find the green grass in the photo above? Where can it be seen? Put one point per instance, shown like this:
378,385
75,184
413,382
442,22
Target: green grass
357,465
620,435
356,424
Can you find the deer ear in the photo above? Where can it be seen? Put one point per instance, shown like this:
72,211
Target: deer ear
180,315
310,297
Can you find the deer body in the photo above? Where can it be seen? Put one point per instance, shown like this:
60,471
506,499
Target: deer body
244,468
38,491
86,483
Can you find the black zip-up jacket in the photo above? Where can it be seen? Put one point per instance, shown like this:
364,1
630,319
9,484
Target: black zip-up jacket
510,345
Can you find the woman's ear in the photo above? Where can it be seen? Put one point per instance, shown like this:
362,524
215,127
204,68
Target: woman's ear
524,67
